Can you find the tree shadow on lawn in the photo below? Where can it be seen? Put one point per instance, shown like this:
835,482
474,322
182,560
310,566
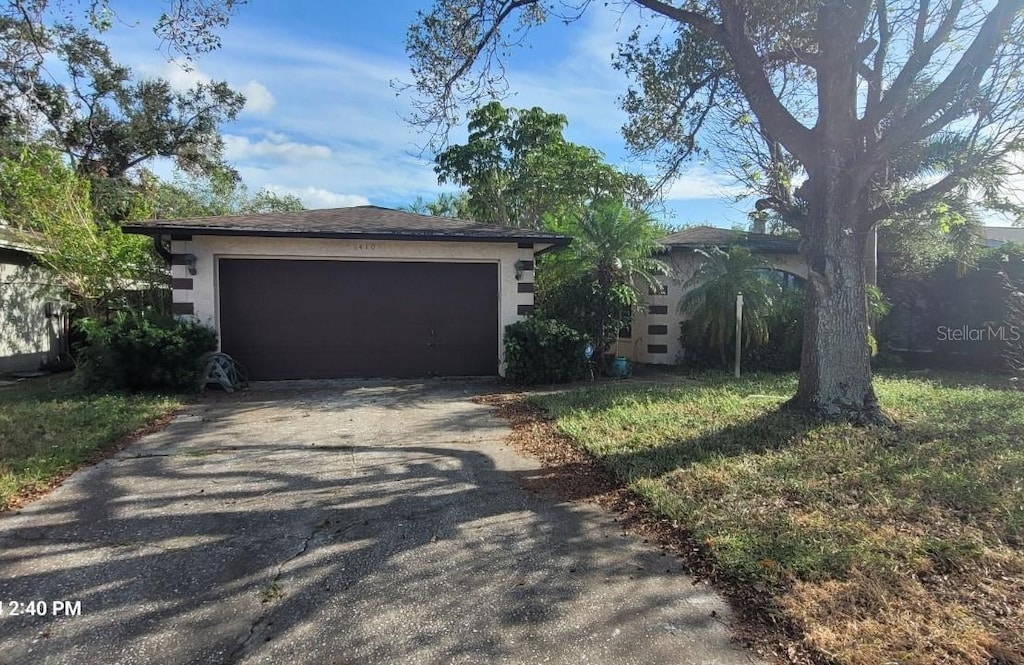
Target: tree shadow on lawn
772,430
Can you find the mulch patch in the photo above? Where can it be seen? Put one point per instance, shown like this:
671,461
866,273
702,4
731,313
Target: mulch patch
571,474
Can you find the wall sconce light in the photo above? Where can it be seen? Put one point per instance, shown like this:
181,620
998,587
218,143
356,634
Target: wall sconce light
520,267
190,263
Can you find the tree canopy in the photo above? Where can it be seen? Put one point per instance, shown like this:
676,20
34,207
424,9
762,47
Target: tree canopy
219,193
107,121
517,167
597,282
838,91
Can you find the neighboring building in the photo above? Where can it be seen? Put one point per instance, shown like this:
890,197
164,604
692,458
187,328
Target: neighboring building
31,326
654,336
997,235
353,292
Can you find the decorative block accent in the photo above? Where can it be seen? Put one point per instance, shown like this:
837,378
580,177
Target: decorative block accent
657,309
657,348
526,245
524,310
525,287
182,283
657,329
183,308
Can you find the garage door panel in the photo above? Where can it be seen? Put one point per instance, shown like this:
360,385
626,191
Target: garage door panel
332,319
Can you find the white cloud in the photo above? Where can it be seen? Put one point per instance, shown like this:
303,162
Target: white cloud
180,78
242,149
258,99
700,183
316,197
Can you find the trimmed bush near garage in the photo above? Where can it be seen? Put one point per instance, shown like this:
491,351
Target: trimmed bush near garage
143,351
544,351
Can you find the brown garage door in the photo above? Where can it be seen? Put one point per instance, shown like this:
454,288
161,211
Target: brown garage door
288,319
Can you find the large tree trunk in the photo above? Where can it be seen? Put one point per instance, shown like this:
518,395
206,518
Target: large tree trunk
835,367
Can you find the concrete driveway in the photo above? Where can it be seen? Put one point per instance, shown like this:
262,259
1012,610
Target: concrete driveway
339,523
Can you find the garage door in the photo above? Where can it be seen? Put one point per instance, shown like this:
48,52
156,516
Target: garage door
295,319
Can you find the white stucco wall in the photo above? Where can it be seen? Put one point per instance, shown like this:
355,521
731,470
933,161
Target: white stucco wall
683,263
27,336
209,249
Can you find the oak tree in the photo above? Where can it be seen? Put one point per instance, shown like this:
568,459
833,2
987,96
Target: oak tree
61,87
840,87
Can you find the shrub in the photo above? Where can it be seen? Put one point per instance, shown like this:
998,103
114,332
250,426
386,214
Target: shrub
1013,353
779,352
543,351
143,351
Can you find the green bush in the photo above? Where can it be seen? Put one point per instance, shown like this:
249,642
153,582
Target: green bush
543,351
780,352
143,351
1013,353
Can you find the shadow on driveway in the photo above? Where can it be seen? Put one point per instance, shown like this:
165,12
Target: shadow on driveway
339,523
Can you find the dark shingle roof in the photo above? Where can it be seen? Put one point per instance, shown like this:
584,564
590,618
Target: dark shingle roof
699,236
369,222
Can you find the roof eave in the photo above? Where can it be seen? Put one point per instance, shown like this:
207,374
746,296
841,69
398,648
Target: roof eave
344,235
763,250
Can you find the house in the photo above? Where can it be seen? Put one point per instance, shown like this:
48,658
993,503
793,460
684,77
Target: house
31,325
353,292
993,236
654,335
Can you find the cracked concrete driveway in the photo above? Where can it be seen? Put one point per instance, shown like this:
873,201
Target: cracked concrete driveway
339,523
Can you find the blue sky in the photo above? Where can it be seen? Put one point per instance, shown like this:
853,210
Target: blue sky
324,123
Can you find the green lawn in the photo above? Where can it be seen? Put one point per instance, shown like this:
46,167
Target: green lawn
48,426
878,545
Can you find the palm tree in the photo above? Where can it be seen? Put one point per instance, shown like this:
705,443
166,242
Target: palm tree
710,297
612,256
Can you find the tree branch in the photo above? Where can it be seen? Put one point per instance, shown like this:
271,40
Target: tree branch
965,76
899,92
916,200
773,116
697,20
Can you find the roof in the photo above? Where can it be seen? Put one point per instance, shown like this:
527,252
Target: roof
997,235
702,236
16,240
359,222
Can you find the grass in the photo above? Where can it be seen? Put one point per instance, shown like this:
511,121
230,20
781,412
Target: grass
48,427
879,546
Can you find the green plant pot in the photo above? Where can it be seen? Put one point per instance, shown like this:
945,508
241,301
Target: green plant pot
619,368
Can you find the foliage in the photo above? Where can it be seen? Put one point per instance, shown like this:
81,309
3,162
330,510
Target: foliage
876,545
827,108
1013,354
445,205
778,352
140,350
517,167
97,112
49,426
543,351
594,283
96,264
709,298
215,194
932,316
579,301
